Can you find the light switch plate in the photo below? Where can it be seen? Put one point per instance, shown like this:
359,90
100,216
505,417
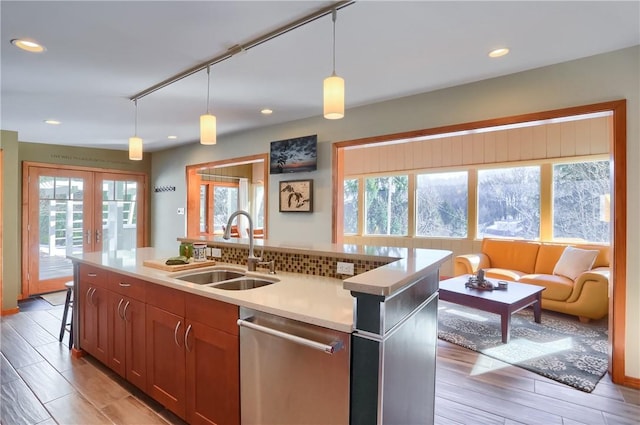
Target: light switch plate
180,211
345,268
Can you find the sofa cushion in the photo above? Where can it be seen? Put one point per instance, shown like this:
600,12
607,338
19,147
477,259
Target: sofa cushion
575,261
548,256
510,254
505,274
559,288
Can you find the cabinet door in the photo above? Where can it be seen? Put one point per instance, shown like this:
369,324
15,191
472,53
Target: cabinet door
166,359
86,318
134,314
213,378
117,349
94,321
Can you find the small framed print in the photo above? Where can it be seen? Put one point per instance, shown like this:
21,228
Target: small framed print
296,196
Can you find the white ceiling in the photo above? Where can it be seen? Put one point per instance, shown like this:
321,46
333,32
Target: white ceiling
100,53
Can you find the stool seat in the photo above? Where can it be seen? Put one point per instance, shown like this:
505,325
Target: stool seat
67,303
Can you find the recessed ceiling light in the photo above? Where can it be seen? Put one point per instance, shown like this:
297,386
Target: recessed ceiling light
498,52
28,45
266,111
172,137
52,122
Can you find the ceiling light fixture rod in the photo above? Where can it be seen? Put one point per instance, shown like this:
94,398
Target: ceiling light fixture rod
245,46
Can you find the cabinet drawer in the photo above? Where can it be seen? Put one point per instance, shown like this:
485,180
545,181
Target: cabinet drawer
128,286
167,299
214,313
93,275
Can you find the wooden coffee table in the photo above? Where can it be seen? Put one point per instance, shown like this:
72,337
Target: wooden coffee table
503,302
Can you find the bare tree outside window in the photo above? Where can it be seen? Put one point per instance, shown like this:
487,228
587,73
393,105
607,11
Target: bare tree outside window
581,193
442,202
509,203
350,219
387,205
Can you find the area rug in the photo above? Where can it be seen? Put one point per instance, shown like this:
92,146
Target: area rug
560,348
55,298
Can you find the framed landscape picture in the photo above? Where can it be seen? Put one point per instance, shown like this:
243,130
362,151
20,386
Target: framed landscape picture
294,155
296,196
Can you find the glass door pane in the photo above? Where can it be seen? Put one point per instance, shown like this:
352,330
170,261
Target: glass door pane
119,207
60,225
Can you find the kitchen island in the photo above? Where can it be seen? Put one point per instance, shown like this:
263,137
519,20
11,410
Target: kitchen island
175,310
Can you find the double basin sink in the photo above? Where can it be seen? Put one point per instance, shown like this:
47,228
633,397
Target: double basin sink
225,279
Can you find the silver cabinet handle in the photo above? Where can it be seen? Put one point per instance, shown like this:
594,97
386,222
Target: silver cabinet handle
91,298
124,312
92,274
186,335
175,333
124,285
98,234
327,348
119,305
88,236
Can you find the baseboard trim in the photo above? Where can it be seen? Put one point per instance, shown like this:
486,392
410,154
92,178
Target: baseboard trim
10,311
631,382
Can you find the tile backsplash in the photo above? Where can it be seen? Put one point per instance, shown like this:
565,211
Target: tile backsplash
300,263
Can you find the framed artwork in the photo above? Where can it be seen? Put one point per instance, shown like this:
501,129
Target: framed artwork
296,196
294,155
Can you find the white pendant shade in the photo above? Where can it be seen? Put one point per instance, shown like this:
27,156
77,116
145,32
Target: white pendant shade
207,129
135,148
333,97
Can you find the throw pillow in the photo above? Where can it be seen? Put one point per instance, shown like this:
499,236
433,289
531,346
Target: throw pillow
574,261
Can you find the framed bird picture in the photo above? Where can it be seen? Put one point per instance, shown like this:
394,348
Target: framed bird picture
296,196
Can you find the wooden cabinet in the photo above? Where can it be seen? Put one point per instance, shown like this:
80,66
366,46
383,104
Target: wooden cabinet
127,329
213,369
180,348
92,302
165,348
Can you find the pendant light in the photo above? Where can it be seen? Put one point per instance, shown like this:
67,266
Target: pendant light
208,121
135,142
334,85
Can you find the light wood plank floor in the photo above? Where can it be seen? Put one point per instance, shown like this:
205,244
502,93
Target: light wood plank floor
42,384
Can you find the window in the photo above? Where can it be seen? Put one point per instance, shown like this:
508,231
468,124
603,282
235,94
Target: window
509,202
225,202
350,218
387,205
581,201
441,204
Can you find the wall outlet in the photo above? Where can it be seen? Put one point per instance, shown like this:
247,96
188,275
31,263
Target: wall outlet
216,253
345,268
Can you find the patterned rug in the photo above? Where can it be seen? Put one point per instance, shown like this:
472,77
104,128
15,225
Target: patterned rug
560,348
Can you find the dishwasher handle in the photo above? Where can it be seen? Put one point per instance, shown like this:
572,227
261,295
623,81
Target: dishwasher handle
327,348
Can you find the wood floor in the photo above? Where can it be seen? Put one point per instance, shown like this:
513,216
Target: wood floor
42,384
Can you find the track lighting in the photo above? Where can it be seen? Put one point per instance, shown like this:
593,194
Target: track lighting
135,142
334,85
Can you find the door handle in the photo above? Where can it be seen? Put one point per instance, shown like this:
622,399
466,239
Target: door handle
98,234
124,312
186,335
175,333
331,348
88,236
91,298
119,305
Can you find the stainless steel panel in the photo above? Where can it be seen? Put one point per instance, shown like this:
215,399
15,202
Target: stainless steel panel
286,381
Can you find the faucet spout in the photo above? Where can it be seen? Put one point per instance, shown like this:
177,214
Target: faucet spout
252,260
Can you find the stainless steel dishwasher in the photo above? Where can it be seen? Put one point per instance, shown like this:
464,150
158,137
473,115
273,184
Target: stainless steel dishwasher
292,372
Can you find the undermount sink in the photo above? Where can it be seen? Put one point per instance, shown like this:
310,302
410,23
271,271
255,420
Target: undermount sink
210,276
243,283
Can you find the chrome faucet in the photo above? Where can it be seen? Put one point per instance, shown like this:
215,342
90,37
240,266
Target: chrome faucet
252,260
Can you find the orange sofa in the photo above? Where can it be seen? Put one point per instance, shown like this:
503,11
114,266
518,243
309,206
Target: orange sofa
586,296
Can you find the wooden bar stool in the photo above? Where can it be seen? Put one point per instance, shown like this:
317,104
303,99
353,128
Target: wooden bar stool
67,303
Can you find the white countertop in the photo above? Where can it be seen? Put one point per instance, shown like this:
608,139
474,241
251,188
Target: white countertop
312,299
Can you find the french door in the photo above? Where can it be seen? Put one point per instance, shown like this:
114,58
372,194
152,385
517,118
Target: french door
73,211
